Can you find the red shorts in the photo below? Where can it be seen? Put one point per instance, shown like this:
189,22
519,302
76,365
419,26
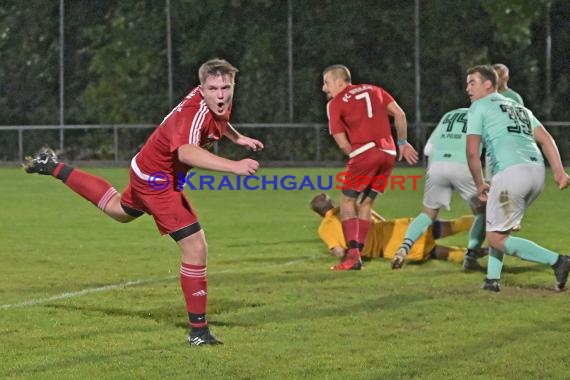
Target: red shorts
170,209
368,171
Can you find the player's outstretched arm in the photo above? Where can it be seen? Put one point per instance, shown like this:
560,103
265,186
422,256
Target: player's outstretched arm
239,139
550,150
197,157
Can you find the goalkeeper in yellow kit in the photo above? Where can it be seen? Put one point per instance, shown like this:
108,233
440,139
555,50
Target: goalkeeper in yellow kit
385,235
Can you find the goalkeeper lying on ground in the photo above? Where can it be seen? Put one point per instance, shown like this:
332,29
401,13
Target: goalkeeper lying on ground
385,235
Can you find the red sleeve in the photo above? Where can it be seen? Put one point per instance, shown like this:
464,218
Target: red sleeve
336,124
186,126
385,96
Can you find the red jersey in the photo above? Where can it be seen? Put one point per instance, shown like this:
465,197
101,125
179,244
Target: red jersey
190,122
360,112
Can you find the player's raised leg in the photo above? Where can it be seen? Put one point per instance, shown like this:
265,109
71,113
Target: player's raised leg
530,251
95,189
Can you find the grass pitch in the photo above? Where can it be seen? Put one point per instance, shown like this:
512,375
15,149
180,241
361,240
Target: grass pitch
82,296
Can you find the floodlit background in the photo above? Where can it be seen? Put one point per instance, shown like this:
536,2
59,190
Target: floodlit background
124,64
83,297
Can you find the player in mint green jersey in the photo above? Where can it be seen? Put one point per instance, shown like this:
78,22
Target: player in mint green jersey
502,83
447,171
510,133
503,89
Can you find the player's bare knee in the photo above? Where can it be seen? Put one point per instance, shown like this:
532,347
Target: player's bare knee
121,212
123,218
366,203
347,201
117,211
194,248
365,209
497,240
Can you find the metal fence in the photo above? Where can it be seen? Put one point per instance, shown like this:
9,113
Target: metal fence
286,143
116,143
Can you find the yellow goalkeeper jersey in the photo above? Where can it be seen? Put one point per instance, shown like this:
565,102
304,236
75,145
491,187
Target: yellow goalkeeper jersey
393,232
383,240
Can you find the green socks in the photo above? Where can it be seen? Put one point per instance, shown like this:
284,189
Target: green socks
418,226
495,264
530,251
477,232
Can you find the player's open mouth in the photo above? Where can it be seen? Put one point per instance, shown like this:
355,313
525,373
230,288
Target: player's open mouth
220,106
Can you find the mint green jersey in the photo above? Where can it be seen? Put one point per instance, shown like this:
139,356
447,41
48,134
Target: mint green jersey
448,140
507,131
512,94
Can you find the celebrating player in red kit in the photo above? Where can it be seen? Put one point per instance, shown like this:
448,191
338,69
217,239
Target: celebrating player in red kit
177,145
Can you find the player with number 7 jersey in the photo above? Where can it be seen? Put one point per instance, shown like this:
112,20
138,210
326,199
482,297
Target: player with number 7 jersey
361,112
359,123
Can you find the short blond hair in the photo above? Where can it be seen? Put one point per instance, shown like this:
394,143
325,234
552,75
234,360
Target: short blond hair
339,71
215,67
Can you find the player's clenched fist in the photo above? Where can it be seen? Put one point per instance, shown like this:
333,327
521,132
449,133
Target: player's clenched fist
247,166
483,191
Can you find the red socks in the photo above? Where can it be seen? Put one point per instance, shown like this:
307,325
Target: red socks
350,230
363,227
194,283
95,189
355,231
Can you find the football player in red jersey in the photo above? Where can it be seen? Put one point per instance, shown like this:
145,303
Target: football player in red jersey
359,122
177,145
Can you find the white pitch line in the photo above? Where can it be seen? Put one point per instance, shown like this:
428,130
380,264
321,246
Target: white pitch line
127,284
74,294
